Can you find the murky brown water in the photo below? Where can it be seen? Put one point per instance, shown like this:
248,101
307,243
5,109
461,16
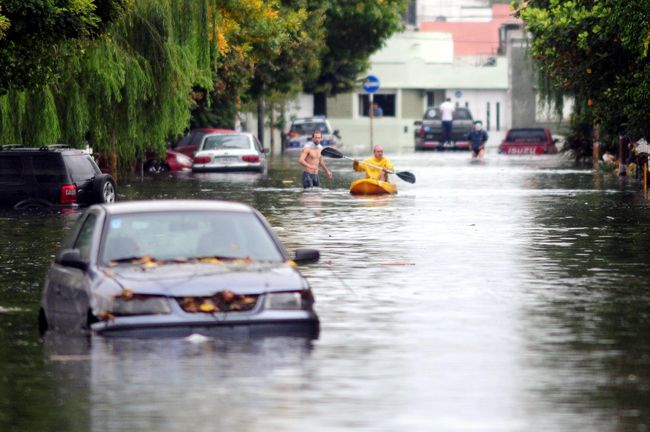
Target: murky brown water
508,296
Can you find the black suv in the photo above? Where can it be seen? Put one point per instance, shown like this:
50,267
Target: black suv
56,175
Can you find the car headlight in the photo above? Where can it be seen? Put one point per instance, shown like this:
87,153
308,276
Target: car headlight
289,300
139,305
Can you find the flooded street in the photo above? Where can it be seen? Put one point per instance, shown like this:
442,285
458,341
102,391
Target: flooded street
505,296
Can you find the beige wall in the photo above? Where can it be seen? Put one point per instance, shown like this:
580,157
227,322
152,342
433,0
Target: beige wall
340,106
411,104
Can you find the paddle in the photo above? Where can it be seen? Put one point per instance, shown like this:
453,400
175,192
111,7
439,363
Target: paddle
407,176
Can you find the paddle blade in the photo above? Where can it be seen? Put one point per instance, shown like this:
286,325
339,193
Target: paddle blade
331,152
407,176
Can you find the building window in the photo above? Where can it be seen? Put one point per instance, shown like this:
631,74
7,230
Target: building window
385,101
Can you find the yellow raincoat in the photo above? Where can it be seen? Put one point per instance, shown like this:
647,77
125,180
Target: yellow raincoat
371,172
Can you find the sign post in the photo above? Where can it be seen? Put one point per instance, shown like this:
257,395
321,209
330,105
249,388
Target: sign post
371,85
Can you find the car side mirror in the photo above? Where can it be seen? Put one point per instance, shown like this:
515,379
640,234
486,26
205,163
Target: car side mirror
555,140
306,256
417,123
72,258
337,133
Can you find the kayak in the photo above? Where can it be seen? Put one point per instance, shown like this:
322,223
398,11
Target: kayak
366,186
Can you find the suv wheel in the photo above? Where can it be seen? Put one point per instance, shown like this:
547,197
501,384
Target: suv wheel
104,189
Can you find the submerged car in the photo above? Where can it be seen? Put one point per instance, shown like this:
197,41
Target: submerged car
301,131
236,151
176,267
191,141
174,162
428,132
51,176
528,141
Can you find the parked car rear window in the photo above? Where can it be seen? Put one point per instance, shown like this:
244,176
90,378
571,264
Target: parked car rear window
226,142
49,168
81,168
11,167
527,135
462,114
459,114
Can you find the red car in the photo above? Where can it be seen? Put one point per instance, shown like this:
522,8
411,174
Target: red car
190,143
174,161
528,141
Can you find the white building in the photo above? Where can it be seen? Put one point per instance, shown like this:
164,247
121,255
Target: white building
415,70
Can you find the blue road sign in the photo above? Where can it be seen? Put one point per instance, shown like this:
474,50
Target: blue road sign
371,84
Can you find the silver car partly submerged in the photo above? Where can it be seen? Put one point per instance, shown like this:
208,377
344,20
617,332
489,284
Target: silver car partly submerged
176,268
236,151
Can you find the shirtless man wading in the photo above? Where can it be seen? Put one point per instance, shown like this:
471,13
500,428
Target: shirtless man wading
310,158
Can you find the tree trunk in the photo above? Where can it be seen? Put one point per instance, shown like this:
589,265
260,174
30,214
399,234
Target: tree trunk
260,119
283,132
113,159
596,147
272,127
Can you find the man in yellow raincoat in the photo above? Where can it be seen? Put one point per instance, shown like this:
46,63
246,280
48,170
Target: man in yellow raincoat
385,166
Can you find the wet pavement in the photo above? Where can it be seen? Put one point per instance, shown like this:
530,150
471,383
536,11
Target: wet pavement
505,296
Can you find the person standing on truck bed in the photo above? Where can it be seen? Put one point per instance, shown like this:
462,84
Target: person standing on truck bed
447,116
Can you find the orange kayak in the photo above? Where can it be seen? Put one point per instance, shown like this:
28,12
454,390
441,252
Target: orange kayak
372,187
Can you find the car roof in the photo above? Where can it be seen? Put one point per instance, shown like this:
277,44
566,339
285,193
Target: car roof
227,133
208,130
56,148
527,129
312,119
129,207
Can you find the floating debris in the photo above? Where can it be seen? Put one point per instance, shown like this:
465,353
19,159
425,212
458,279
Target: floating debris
197,338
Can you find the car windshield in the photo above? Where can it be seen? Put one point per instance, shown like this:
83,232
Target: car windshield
308,128
226,142
186,235
526,135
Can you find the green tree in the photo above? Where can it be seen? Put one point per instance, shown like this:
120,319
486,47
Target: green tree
4,24
38,35
272,54
597,52
125,92
355,30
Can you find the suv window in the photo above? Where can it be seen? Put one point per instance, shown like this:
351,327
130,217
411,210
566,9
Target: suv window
49,168
80,167
11,168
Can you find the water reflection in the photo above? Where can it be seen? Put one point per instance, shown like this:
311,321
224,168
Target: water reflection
213,384
517,286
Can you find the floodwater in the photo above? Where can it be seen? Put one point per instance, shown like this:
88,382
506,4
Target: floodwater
506,296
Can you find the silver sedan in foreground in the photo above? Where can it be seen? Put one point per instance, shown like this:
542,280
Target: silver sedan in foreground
177,267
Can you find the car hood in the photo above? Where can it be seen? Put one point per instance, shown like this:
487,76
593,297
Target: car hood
204,279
